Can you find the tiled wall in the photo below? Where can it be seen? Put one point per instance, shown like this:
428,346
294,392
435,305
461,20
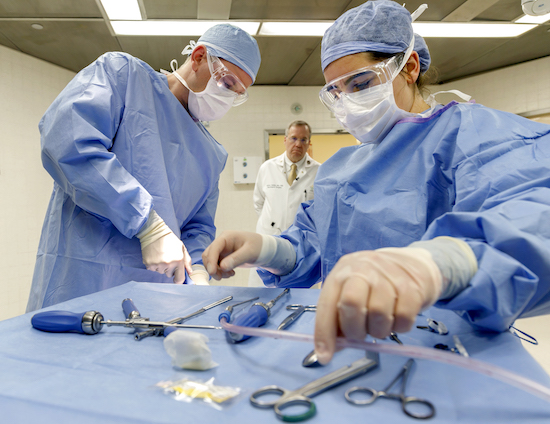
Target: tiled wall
28,86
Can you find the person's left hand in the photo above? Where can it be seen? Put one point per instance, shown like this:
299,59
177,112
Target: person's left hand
374,292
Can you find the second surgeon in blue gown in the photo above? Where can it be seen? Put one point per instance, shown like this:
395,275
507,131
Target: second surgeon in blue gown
122,141
445,204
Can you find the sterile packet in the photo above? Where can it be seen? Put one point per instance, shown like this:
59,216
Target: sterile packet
188,390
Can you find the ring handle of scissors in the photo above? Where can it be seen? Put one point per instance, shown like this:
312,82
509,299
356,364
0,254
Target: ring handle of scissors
414,400
291,401
267,390
367,401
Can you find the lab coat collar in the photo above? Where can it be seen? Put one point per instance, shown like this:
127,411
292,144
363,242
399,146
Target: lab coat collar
306,161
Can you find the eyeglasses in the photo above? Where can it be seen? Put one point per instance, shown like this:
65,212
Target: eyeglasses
301,140
364,78
226,80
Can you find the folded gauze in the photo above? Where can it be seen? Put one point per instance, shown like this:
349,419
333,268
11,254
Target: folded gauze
188,350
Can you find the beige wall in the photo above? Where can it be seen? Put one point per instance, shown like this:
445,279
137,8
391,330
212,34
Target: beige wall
28,86
322,146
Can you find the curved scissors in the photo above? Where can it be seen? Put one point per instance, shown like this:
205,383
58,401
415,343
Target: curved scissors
303,395
406,401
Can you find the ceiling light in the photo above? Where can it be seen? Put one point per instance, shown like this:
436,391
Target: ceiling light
122,9
37,26
174,27
306,29
469,30
533,19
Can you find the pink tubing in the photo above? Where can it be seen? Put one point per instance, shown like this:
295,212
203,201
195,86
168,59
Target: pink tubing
419,352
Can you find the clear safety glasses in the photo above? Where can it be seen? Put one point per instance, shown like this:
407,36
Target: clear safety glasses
226,80
364,78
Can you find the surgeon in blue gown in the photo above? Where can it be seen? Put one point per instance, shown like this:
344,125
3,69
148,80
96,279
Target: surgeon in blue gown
439,204
135,172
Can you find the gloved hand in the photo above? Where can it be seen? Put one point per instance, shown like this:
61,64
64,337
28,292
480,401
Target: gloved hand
230,250
374,292
235,248
199,275
162,251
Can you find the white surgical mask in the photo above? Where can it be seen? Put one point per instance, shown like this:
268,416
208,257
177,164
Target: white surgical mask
370,116
210,104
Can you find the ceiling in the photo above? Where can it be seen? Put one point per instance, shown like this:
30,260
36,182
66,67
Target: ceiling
76,32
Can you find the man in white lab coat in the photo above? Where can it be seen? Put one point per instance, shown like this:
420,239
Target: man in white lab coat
283,183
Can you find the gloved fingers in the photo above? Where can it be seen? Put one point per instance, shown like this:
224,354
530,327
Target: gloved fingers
212,254
187,260
326,318
179,274
407,306
381,305
352,307
231,249
163,254
242,250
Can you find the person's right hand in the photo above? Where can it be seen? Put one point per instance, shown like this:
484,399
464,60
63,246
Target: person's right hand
162,251
167,255
230,250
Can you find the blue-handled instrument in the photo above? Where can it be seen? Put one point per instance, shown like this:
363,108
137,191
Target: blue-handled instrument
256,316
91,322
130,310
229,310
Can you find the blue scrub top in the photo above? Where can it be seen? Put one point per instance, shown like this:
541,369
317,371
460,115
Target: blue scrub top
118,143
465,171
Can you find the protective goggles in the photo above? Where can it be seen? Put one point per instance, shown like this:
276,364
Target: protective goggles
226,80
364,78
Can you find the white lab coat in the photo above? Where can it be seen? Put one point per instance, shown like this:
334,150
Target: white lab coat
274,200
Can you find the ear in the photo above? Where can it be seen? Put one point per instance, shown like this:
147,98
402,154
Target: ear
412,68
197,57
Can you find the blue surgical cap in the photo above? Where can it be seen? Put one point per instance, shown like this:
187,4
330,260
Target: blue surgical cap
381,26
234,45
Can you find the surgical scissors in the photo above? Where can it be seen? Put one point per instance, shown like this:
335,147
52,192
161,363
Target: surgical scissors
303,395
298,311
406,401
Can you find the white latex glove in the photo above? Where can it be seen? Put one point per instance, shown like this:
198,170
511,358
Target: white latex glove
199,275
374,292
162,251
235,248
230,250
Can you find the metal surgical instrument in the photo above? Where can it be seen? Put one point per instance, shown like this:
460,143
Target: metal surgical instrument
160,331
298,311
303,395
91,322
435,327
406,401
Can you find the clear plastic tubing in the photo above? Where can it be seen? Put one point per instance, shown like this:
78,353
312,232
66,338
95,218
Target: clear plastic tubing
419,352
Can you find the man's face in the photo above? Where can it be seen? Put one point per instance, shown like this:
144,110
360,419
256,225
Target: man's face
297,142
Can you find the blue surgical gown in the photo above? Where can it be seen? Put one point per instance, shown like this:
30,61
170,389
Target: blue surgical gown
117,143
465,171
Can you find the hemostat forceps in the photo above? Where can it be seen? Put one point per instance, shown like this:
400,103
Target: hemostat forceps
298,310
406,401
303,395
